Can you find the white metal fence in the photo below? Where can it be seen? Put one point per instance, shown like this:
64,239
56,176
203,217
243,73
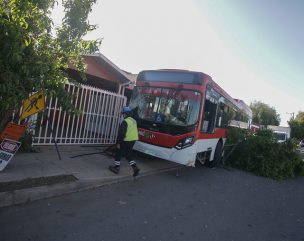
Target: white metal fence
97,122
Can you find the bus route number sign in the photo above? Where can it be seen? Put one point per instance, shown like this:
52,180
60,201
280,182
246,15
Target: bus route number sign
8,149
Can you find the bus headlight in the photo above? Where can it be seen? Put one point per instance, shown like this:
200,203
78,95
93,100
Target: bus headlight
183,143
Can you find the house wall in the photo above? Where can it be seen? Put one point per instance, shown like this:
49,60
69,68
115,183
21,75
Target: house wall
99,74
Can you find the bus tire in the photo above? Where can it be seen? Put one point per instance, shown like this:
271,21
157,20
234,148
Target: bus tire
217,155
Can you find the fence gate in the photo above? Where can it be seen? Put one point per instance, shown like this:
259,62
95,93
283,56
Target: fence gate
97,122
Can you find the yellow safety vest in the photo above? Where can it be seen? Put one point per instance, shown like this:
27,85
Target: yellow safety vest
132,132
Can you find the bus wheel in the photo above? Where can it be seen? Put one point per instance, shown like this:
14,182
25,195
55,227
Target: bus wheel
217,155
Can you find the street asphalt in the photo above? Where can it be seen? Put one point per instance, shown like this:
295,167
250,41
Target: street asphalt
209,204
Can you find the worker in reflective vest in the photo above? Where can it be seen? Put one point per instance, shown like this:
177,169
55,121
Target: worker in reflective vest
126,138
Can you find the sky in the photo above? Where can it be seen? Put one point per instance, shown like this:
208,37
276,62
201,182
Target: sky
252,48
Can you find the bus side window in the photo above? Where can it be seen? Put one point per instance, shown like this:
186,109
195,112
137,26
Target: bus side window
206,116
210,109
222,115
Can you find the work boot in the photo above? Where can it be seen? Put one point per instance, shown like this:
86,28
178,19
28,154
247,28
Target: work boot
114,169
135,170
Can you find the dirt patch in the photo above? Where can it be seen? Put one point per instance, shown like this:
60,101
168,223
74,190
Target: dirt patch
35,182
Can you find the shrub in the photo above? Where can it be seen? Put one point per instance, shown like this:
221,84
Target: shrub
236,135
263,156
26,143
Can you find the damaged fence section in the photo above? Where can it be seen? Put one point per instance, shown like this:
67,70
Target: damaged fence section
96,123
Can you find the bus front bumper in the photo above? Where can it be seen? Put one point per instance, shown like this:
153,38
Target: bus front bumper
184,156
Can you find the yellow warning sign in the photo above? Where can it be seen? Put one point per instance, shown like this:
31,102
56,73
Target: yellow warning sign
33,104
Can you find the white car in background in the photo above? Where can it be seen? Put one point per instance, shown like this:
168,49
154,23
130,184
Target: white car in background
280,136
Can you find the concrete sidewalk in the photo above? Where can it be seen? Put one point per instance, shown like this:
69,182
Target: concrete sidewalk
90,171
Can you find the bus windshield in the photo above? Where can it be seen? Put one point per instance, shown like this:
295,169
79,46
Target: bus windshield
166,106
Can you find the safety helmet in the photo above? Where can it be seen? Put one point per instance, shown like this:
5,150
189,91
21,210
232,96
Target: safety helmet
126,110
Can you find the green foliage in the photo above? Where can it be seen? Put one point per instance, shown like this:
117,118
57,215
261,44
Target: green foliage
297,130
262,155
297,126
263,114
300,118
34,55
236,135
26,143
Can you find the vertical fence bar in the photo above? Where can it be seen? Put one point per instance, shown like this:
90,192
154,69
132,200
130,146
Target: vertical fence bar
105,119
96,134
63,122
101,117
53,121
58,124
118,108
47,121
82,115
40,129
74,128
88,116
93,117
67,140
109,123
80,93
67,136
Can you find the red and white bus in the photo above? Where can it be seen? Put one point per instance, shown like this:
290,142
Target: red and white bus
183,116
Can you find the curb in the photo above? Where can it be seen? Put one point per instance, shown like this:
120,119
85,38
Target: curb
28,195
